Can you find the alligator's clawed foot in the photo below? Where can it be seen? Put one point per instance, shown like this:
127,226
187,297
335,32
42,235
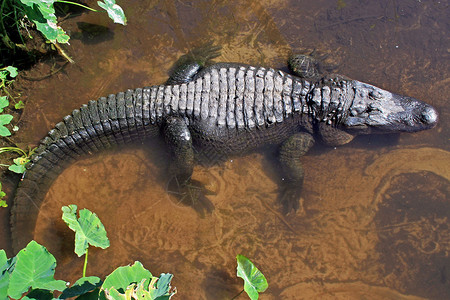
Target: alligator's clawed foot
289,198
188,65
192,193
201,55
311,67
205,53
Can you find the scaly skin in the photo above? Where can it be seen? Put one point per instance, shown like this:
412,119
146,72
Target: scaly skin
219,110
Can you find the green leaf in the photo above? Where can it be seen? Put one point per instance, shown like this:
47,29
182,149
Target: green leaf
3,203
122,277
89,230
42,13
35,268
19,105
161,289
4,131
254,280
4,274
81,287
3,103
113,294
145,291
3,260
19,165
19,169
115,12
5,119
12,71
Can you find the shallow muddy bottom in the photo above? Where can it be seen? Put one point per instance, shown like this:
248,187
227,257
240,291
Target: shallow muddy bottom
341,236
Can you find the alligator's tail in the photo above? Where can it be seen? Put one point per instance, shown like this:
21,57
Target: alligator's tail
115,120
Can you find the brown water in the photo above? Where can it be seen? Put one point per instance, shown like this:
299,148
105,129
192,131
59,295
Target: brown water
375,217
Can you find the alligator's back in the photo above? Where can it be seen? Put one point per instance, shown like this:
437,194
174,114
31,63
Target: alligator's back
230,99
226,107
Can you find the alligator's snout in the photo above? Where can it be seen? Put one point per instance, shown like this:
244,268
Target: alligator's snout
376,110
429,116
415,116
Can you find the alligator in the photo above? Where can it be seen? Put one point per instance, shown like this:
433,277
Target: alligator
222,109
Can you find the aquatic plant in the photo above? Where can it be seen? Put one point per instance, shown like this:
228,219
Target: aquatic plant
89,230
7,75
2,195
254,281
42,13
30,274
20,15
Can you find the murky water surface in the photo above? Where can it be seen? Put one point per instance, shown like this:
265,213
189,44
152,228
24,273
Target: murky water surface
375,217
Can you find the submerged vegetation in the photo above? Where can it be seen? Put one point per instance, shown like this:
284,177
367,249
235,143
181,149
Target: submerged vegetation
7,75
29,29
30,274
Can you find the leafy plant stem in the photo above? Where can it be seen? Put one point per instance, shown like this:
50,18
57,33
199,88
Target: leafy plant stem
85,262
14,149
63,53
74,3
238,294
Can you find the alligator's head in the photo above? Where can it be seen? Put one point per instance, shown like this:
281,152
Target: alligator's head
375,110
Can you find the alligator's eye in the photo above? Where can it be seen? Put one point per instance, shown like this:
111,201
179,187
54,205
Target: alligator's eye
375,94
355,122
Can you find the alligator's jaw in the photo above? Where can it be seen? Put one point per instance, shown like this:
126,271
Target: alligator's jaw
375,110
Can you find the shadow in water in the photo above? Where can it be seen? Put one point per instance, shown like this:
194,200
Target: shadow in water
91,34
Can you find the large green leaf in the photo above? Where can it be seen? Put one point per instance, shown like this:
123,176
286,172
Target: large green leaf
4,274
42,13
3,260
254,280
122,277
35,267
81,287
89,230
115,12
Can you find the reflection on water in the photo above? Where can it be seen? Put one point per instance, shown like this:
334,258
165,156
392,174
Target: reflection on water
375,218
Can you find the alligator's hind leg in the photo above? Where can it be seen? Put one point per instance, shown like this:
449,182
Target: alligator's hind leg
188,191
188,65
290,152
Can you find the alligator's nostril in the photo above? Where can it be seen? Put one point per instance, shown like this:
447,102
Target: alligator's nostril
429,115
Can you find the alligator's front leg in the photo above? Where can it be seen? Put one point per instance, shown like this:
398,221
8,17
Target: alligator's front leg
188,191
292,171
